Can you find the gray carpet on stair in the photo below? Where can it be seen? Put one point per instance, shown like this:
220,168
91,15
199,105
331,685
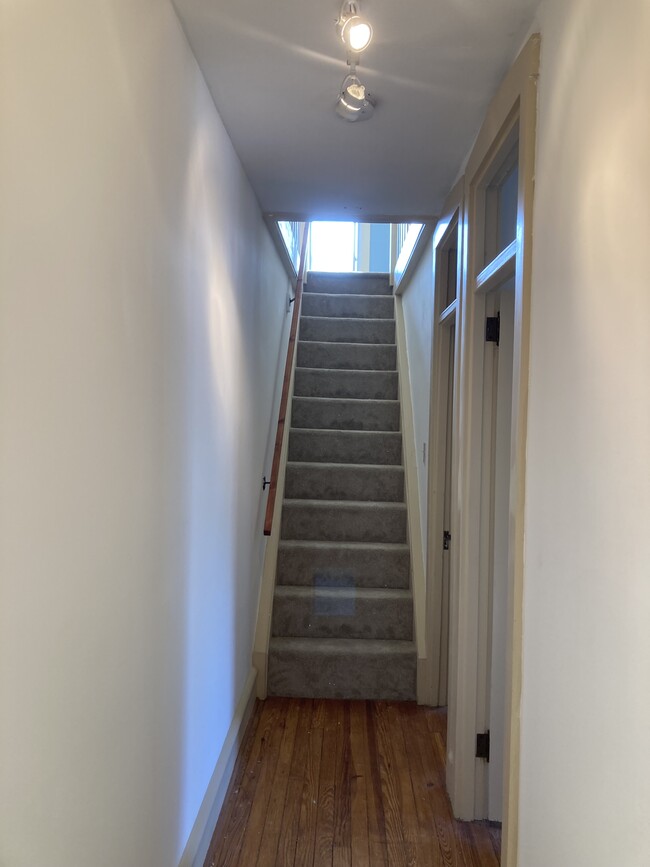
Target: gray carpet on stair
339,329
332,481
337,413
346,356
343,564
342,623
359,384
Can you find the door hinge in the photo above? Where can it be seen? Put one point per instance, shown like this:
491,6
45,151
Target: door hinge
493,329
446,539
483,746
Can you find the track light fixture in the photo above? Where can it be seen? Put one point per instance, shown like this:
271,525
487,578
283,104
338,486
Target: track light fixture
354,30
354,102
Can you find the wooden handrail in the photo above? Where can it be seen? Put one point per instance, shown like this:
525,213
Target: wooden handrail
284,400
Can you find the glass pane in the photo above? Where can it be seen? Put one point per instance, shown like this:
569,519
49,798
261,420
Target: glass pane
507,209
501,200
452,265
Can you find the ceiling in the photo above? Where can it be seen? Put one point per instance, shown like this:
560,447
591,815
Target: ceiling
275,67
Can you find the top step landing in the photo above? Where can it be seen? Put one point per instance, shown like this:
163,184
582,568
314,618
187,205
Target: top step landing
348,283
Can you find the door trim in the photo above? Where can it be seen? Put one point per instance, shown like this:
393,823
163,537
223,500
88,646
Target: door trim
515,102
443,317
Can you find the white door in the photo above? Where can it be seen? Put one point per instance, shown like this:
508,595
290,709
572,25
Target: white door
500,408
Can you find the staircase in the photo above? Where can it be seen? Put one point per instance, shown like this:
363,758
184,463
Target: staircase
342,624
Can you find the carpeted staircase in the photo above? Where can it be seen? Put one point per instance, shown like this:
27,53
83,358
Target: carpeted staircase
342,623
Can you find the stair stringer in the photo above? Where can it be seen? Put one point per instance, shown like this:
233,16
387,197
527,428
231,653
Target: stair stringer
414,518
269,567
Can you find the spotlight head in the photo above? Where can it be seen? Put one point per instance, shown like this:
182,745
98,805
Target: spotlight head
354,102
355,31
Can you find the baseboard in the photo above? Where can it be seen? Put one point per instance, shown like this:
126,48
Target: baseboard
198,842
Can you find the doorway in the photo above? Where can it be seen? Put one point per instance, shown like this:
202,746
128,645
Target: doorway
495,542
443,452
486,583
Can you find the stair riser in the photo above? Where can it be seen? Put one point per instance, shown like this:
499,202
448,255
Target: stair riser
341,523
362,284
322,675
347,330
360,384
321,566
348,447
347,356
361,306
310,482
346,616
332,414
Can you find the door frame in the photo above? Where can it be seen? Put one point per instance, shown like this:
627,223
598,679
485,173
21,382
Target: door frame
514,103
443,316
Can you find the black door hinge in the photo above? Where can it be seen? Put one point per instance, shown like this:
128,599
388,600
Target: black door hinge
483,746
493,329
446,539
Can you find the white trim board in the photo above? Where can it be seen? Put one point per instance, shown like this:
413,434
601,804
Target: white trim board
198,843
412,497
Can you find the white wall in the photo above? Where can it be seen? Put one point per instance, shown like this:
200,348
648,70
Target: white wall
585,754
141,312
417,305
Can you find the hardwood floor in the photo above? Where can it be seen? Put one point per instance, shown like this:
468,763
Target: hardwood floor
341,783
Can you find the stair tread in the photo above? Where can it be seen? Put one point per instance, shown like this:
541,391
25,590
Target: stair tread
328,504
355,305
339,295
335,431
357,400
370,593
351,646
346,370
310,562
339,319
357,546
343,343
395,468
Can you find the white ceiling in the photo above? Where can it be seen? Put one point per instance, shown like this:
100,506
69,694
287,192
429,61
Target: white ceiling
275,66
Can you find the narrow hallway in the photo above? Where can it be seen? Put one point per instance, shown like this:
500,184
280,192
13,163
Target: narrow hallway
335,783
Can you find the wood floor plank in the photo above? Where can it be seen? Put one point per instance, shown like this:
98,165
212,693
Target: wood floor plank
376,816
265,782
286,850
495,834
231,842
323,852
412,773
345,784
359,770
436,718
401,851
306,840
342,851
231,800
476,843
270,836
450,852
